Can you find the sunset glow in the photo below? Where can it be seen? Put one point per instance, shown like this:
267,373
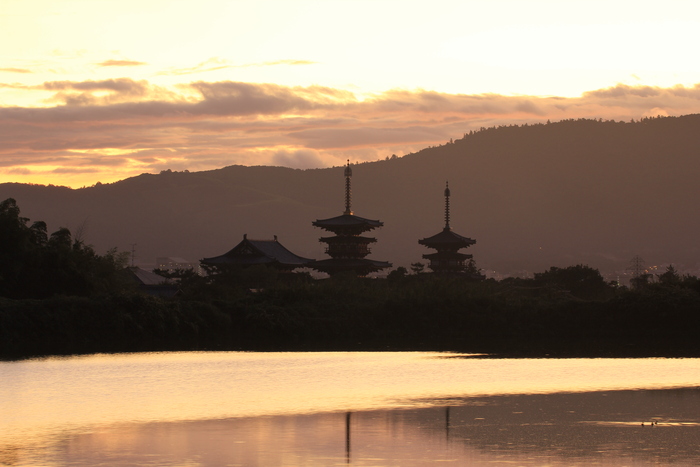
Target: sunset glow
103,90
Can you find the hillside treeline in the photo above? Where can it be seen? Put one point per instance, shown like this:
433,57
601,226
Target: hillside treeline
60,297
532,196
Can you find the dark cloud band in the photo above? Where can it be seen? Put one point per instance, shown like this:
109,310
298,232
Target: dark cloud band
212,124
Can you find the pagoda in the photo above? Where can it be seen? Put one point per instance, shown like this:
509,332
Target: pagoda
348,248
448,259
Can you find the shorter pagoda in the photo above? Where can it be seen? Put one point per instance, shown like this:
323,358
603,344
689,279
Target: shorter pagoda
348,249
448,259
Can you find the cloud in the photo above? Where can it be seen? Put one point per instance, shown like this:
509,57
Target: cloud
623,90
329,138
16,86
216,63
298,159
122,85
113,128
622,93
74,170
19,171
655,112
231,98
282,62
434,102
211,64
83,92
107,63
104,92
15,70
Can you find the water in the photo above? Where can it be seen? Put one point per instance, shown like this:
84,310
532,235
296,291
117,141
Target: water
359,409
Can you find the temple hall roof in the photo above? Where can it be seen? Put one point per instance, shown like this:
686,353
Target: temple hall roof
147,277
251,252
152,283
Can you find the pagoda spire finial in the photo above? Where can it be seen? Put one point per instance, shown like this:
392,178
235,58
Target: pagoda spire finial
348,193
447,205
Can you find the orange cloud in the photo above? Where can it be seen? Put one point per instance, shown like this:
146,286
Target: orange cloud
298,159
103,92
215,63
121,127
120,63
282,62
15,86
15,70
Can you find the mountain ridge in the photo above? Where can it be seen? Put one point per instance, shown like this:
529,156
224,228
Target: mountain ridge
533,196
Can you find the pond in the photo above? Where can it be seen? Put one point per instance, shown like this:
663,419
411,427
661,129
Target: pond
347,408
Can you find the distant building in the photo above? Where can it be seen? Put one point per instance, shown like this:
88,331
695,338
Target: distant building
171,264
151,283
348,249
259,252
448,259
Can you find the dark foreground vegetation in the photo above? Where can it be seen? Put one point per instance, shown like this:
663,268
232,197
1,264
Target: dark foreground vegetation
59,297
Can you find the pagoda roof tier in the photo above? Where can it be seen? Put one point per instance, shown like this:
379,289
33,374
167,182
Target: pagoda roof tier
346,239
447,238
359,266
443,255
252,252
347,223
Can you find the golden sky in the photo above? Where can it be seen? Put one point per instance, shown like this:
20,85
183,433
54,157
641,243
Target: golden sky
100,90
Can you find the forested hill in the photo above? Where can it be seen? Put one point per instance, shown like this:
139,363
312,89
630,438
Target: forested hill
534,196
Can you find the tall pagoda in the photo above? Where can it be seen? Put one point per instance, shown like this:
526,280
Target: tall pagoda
348,248
448,259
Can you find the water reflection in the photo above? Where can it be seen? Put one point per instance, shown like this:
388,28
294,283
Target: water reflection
602,428
347,409
348,430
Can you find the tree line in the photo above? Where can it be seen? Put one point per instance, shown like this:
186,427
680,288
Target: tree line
36,264
58,296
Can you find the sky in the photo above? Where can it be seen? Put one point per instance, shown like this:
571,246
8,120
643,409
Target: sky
100,90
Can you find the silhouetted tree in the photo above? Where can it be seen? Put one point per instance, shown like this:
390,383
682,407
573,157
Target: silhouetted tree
397,274
670,277
226,278
640,281
581,281
191,284
36,265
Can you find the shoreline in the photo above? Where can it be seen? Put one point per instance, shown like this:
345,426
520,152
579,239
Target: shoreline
485,317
